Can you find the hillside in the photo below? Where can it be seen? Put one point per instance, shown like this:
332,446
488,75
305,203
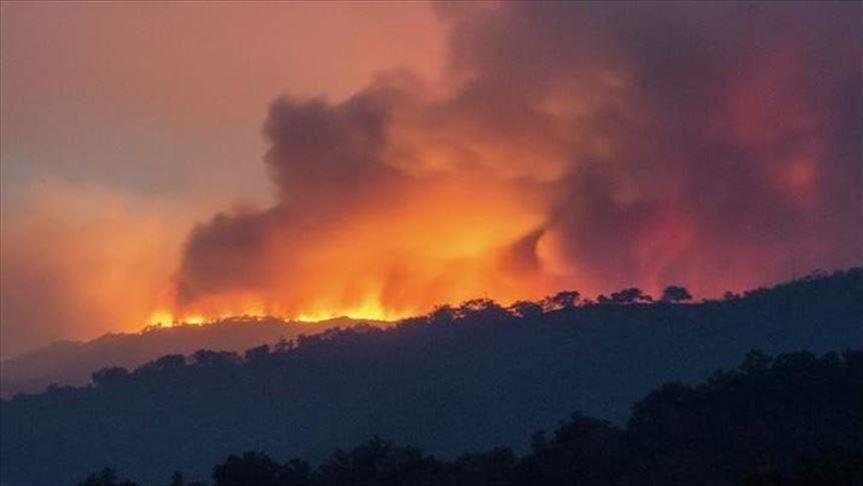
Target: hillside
71,362
752,425
458,380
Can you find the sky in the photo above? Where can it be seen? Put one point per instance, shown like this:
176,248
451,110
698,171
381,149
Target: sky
192,160
123,124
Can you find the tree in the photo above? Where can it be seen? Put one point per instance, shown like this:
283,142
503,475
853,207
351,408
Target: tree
283,345
526,309
110,376
177,479
250,468
756,361
106,478
482,308
631,295
584,450
492,468
207,357
380,463
257,354
165,363
561,300
297,472
443,314
761,474
674,293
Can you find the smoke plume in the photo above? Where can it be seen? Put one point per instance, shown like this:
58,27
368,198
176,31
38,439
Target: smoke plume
569,146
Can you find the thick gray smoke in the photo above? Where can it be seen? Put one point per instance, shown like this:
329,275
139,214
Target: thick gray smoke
573,145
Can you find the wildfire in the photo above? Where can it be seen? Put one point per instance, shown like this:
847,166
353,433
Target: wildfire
402,198
370,309
168,318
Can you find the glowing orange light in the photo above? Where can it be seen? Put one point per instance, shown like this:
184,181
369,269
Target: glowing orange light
161,318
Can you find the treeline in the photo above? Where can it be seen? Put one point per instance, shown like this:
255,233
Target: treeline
794,419
483,310
71,363
461,379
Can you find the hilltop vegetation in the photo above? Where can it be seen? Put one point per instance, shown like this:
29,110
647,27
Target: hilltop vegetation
460,379
794,419
71,362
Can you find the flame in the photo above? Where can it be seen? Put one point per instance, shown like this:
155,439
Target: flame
369,311
446,245
166,318
481,206
371,308
161,318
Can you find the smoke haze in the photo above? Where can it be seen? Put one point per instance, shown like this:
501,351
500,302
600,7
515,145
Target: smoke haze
579,146
420,155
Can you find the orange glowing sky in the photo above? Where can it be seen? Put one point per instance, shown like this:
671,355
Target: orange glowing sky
412,155
123,125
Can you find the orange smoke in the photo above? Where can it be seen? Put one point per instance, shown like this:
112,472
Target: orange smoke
565,146
447,244
569,147
80,260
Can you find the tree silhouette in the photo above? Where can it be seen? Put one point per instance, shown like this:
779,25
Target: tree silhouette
250,468
177,479
206,357
475,382
110,376
442,315
561,300
674,293
480,309
630,295
165,363
106,478
793,419
526,309
257,354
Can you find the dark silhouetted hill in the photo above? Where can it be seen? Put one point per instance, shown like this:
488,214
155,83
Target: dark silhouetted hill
71,362
463,379
794,419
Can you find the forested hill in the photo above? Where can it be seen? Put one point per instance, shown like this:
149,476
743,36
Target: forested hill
793,419
71,362
459,380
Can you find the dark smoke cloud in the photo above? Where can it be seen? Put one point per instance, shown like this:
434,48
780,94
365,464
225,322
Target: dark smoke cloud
715,145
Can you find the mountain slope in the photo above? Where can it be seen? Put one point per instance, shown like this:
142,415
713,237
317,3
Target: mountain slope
448,384
790,419
71,363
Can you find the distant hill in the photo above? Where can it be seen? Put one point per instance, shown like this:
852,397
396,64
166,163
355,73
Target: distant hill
71,362
464,379
792,419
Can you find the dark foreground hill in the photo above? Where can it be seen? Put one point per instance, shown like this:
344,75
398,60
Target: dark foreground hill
458,380
794,419
71,362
